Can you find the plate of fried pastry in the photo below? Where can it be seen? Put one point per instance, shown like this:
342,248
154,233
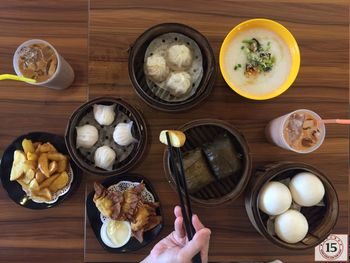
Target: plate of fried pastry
36,170
124,213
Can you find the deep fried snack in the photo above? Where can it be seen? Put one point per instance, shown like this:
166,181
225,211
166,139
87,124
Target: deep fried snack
55,156
60,182
103,203
62,165
43,164
53,167
132,197
145,219
40,169
46,148
27,146
128,205
17,169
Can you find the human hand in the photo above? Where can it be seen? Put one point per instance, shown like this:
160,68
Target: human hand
175,248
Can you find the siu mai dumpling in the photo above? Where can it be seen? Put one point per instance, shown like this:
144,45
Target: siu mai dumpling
197,172
222,156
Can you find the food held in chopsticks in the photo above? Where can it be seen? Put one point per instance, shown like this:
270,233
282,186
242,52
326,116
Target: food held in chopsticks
177,138
128,206
40,169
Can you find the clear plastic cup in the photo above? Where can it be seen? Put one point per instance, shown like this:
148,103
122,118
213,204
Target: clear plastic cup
63,76
274,132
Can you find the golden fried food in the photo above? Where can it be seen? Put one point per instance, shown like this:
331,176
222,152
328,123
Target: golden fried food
127,205
31,156
40,177
60,182
40,169
33,185
132,197
44,194
53,167
17,169
28,176
103,203
27,146
43,164
49,180
145,219
62,165
55,156
47,147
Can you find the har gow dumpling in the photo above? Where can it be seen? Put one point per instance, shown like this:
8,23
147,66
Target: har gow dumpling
179,57
104,114
179,83
104,157
87,136
122,134
156,68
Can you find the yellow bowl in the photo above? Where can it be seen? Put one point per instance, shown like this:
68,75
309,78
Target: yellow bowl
286,36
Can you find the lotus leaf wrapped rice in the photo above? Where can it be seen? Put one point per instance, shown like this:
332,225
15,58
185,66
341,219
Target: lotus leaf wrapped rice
222,156
197,172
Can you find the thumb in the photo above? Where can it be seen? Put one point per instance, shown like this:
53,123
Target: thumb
200,241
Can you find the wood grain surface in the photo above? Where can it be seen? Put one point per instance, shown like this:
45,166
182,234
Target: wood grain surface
57,234
110,27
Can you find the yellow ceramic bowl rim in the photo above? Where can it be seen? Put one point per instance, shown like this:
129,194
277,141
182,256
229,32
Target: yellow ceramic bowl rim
279,30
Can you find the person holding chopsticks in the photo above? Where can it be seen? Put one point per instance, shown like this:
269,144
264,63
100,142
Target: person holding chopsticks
175,248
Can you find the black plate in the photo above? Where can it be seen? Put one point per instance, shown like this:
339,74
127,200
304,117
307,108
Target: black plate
14,189
96,224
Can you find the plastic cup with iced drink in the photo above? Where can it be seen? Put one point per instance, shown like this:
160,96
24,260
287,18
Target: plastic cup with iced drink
300,131
39,60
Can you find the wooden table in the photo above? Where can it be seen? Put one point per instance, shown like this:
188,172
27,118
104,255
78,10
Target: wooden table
110,27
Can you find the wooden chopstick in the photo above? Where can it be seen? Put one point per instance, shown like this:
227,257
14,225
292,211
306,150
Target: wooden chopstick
180,179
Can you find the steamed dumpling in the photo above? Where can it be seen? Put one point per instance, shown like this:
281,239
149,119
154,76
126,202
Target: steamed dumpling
179,83
104,114
179,57
104,157
87,136
156,68
122,134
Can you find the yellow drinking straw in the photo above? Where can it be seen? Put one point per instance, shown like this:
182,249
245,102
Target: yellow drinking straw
15,77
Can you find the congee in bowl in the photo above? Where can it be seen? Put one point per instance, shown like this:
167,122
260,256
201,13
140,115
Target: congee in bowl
259,59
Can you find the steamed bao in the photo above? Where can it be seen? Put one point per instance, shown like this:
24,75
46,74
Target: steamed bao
88,135
275,199
173,63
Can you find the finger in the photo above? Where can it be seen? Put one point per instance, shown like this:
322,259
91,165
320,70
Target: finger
179,228
199,242
177,211
197,224
205,249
